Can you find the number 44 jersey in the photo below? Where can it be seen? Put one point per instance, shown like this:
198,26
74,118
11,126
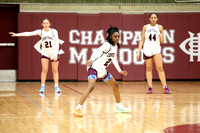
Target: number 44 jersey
102,57
152,41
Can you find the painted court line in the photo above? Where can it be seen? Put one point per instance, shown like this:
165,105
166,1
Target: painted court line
95,116
35,102
81,93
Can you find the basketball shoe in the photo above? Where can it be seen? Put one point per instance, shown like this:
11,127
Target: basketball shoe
57,89
150,91
166,90
42,88
78,113
42,95
122,109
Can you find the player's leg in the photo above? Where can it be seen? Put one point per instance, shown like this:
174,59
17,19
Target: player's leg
159,66
54,65
112,82
149,68
45,66
91,85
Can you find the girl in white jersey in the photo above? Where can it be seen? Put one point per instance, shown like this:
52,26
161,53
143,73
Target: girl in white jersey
96,66
152,36
50,48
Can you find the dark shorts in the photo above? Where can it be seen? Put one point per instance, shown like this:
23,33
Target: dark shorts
92,73
58,57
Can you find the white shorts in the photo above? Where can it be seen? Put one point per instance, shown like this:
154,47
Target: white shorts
101,72
151,50
50,55
92,73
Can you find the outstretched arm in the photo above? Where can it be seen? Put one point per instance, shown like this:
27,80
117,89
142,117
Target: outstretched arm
26,34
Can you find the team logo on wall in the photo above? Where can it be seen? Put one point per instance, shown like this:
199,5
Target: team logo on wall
37,47
194,46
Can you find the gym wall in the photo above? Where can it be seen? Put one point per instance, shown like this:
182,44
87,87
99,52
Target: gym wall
83,32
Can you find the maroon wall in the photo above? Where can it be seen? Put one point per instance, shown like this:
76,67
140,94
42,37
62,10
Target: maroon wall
177,63
8,22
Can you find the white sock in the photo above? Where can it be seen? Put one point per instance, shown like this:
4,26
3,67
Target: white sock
43,85
56,85
164,87
119,105
79,106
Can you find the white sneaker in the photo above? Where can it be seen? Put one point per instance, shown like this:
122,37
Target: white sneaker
122,109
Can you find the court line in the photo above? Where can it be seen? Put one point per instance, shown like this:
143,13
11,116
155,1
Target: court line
82,93
96,116
35,102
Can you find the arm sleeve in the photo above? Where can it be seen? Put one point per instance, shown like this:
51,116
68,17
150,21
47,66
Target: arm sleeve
116,64
32,33
98,52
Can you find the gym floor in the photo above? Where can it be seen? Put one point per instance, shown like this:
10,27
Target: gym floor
23,109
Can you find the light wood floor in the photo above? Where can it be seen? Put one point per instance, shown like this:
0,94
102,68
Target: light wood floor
23,110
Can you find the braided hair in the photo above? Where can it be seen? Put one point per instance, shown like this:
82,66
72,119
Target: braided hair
109,32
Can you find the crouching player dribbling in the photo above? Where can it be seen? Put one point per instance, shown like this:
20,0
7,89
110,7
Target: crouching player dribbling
96,67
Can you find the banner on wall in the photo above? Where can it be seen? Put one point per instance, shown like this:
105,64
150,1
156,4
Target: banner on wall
127,55
81,34
194,46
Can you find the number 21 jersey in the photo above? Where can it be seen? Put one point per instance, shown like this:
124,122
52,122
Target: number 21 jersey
49,40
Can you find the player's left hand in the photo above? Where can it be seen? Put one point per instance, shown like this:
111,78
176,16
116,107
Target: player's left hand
123,73
55,58
138,56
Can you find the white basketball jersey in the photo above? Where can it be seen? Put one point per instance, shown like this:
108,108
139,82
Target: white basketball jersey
48,40
106,57
152,41
151,35
102,58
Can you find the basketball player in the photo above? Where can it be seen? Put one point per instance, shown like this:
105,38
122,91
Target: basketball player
96,67
152,36
50,48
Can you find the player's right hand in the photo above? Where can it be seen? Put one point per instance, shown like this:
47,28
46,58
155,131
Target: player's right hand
88,63
138,56
12,34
